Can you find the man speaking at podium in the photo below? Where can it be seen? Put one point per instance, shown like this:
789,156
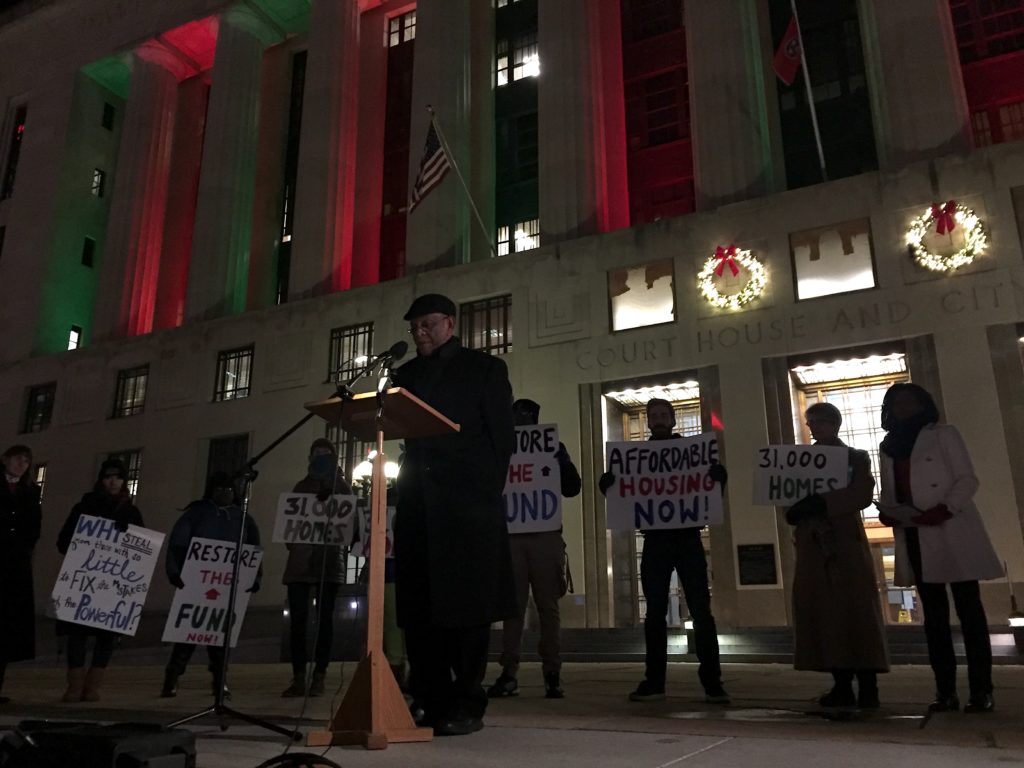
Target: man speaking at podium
452,561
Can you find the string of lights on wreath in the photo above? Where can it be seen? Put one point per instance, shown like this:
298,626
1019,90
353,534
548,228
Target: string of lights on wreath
943,219
735,260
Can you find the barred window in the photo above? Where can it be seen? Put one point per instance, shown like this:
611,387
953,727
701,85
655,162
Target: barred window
524,236
130,396
350,346
39,407
99,182
486,324
132,460
234,373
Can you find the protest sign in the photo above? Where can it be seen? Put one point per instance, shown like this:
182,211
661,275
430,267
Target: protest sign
663,484
198,612
361,546
533,488
302,519
784,474
106,574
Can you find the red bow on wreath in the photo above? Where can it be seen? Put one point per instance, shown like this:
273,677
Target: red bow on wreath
943,216
726,256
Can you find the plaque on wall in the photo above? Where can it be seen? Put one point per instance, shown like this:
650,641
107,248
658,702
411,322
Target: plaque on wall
757,564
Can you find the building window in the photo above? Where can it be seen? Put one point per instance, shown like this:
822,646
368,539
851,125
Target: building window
291,174
525,236
39,407
486,324
641,296
130,395
350,349
525,59
234,372
15,139
88,252
1011,121
401,29
74,337
982,129
39,477
833,259
132,460
107,121
99,182
642,19
987,28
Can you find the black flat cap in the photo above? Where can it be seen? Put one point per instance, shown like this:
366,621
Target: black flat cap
428,304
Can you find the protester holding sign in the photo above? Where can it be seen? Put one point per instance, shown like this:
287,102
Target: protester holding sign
837,618
538,566
680,550
109,499
20,521
925,464
314,571
215,516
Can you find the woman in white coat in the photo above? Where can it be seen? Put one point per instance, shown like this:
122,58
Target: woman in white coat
925,464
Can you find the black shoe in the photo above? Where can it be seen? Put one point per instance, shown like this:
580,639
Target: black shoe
648,691
716,695
552,686
419,715
459,726
945,702
839,698
170,689
505,685
980,704
867,698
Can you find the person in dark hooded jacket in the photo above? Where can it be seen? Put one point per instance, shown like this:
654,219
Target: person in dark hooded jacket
216,516
110,500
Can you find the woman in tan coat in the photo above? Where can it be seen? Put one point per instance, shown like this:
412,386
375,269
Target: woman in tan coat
836,614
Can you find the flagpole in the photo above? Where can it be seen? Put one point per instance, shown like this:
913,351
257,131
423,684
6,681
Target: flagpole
810,94
462,181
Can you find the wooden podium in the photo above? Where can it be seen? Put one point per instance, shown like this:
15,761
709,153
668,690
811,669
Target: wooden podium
373,712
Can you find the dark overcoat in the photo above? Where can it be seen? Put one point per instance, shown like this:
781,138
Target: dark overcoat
20,520
452,558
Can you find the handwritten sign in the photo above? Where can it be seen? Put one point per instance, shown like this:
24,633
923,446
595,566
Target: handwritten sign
361,547
784,474
105,577
533,495
302,519
198,612
663,484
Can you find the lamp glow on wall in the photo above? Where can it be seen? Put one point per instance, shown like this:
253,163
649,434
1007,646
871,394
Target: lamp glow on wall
364,469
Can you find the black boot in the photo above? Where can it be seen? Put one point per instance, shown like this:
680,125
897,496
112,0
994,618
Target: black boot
170,689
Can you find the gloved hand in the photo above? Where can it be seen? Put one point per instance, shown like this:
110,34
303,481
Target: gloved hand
892,522
606,482
807,507
121,523
718,473
177,582
937,515
323,495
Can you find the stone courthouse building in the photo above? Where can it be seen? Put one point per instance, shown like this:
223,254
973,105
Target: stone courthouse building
204,220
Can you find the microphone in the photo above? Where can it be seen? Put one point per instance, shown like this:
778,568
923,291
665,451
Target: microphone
395,353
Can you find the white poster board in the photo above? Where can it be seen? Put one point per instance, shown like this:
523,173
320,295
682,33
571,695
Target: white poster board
784,474
198,613
533,488
106,574
663,484
361,547
302,519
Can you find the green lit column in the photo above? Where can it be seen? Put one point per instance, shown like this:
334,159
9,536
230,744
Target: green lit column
219,265
454,70
728,115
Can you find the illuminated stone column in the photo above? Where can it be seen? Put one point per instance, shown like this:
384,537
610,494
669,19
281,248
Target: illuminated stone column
324,218
453,73
728,115
918,101
581,119
219,266
127,287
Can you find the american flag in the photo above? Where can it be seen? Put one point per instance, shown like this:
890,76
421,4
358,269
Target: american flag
433,168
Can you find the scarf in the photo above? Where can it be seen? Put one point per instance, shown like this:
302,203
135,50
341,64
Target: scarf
899,441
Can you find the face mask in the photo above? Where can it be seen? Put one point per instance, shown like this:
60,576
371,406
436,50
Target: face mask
321,465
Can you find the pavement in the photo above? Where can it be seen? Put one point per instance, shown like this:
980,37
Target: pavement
772,721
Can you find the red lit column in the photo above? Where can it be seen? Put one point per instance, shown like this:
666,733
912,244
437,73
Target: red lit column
581,120
219,265
325,197
917,92
127,288
728,113
454,71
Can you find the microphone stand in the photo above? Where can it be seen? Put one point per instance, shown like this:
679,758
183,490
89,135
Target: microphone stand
247,475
